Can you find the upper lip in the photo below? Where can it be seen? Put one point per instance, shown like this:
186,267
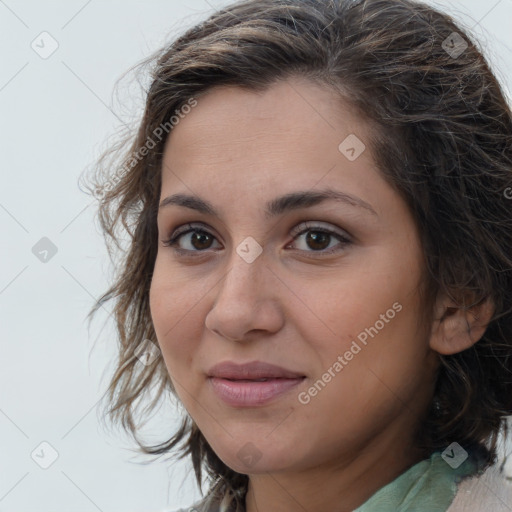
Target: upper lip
251,371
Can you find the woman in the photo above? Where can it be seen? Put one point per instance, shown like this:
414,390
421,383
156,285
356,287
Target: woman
321,248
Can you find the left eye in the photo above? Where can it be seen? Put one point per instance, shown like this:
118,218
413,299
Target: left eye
317,238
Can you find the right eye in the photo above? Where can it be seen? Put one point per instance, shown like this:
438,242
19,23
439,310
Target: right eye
197,240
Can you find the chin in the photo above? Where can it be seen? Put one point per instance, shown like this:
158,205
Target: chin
254,456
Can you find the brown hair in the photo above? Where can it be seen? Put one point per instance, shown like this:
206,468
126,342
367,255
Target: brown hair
442,137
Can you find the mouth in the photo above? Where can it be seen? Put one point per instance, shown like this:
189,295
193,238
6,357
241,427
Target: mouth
256,371
252,393
252,384
255,380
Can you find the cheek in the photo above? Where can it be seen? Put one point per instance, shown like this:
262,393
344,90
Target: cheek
384,364
370,319
175,309
341,308
178,333
382,381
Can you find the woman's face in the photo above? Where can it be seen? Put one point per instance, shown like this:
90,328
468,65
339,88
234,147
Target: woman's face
334,302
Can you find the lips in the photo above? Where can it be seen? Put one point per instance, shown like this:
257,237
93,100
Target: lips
253,384
255,371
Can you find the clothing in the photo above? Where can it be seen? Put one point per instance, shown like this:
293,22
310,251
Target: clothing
491,492
432,485
429,485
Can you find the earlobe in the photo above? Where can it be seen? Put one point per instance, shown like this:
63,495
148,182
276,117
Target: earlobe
456,329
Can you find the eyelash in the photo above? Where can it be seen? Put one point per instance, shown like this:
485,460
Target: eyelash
190,228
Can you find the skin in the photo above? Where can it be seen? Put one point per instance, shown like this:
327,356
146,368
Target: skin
294,306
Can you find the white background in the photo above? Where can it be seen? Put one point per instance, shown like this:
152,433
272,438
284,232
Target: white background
55,115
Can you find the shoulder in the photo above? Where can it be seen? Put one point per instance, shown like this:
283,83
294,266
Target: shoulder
489,491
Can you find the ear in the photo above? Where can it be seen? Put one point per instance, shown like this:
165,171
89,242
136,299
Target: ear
456,328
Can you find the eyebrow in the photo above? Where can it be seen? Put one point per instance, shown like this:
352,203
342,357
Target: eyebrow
277,206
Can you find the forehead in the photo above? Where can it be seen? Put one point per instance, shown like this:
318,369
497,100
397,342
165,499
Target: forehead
296,99
296,102
239,148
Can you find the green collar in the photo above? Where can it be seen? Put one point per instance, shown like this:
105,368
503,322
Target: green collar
429,485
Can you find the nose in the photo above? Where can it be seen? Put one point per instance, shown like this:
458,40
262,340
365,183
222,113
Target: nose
246,302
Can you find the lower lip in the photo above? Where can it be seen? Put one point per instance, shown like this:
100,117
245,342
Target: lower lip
251,393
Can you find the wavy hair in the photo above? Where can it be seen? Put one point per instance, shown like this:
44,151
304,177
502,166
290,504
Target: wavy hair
441,137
